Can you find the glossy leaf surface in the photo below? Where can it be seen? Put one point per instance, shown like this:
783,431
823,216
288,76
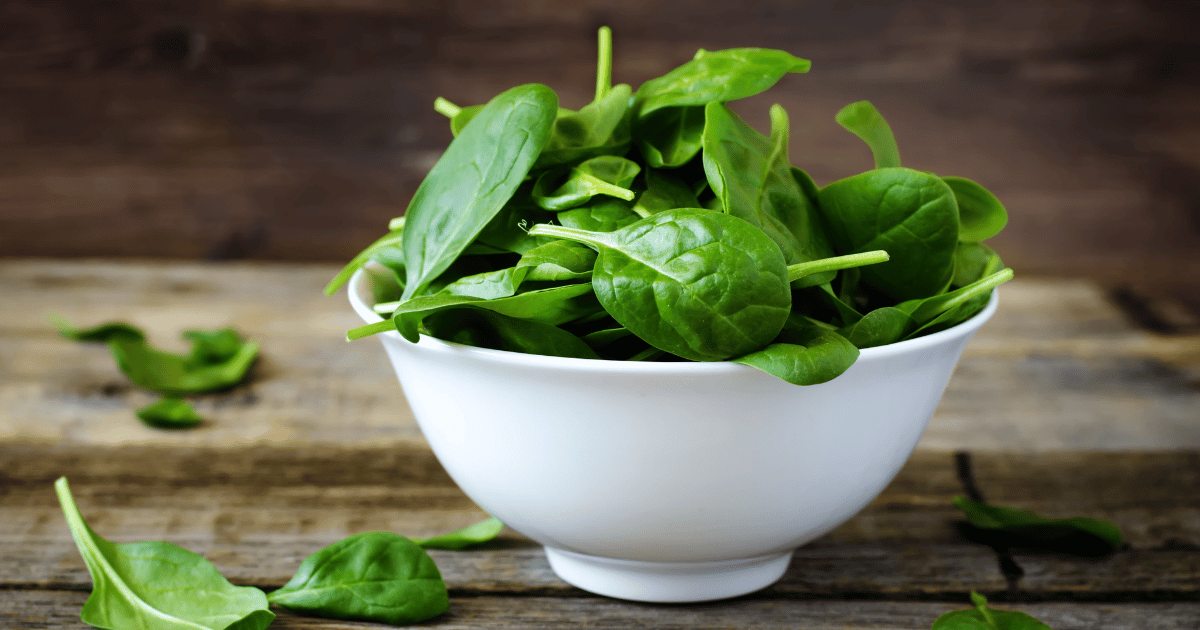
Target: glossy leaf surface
718,76
561,189
602,214
473,180
373,576
157,585
806,355
697,284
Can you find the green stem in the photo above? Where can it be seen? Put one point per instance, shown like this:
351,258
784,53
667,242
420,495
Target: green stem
595,239
864,121
604,63
446,108
369,329
799,270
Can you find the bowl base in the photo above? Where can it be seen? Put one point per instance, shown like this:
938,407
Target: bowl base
667,582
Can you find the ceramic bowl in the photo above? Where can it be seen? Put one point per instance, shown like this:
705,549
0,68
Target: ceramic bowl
668,482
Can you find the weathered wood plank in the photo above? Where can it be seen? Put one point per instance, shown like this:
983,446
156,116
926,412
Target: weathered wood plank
20,610
1058,367
257,512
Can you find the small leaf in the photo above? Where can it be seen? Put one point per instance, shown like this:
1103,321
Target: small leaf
717,77
807,355
480,532
157,585
985,618
169,413
981,215
373,576
210,347
1022,528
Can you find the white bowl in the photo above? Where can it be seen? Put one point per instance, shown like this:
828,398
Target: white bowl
668,482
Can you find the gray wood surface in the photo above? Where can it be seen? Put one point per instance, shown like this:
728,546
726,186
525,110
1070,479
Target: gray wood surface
1061,405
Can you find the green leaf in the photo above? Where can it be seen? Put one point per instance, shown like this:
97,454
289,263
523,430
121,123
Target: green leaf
973,262
602,127
601,214
558,261
718,76
211,347
925,311
562,189
373,576
157,585
168,373
864,121
102,333
909,214
507,230
391,239
698,284
663,192
1022,528
670,137
169,413
482,328
986,618
480,532
751,176
981,215
473,180
879,328
551,306
805,355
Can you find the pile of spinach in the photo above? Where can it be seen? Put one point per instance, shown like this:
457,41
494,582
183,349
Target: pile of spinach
372,576
656,224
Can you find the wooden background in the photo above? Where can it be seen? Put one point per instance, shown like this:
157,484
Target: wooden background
292,130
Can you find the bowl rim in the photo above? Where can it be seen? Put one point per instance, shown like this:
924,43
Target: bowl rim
433,344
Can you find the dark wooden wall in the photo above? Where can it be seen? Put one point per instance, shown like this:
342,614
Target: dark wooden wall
293,129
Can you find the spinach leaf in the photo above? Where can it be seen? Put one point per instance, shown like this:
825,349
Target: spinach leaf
548,306
879,328
926,311
489,285
473,180
718,76
480,532
670,137
804,355
986,618
213,346
373,576
168,373
973,262
910,214
561,189
864,121
981,215
558,261
601,127
483,328
751,176
158,585
1015,527
169,413
697,284
602,214
663,192
506,231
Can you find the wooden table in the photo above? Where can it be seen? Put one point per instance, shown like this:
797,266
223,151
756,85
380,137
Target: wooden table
1060,405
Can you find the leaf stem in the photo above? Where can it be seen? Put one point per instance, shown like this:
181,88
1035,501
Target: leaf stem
604,63
369,329
799,270
446,108
595,239
864,121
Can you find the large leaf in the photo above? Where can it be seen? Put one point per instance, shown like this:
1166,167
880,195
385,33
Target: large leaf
473,180
718,76
157,585
373,576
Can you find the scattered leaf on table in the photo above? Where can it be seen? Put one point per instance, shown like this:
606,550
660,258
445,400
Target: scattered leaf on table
1021,528
480,532
169,413
985,618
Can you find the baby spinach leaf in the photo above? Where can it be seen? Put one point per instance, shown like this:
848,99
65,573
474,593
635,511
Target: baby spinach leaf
864,121
670,137
473,180
548,306
557,261
986,618
506,231
157,585
750,175
879,328
373,576
561,189
697,284
718,76
804,355
480,532
973,262
910,214
663,192
488,329
601,214
168,373
169,413
489,285
1022,528
981,215
601,127
927,310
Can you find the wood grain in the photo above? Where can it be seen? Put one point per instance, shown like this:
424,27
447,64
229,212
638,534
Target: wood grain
283,130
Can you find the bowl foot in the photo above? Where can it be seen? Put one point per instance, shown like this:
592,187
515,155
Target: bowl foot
667,582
